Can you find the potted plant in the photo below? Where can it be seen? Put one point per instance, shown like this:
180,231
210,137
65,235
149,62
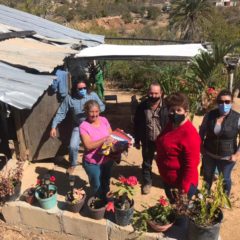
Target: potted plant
159,217
122,200
46,192
29,195
75,199
204,211
10,183
96,208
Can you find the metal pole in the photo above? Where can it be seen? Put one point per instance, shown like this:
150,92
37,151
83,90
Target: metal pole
231,78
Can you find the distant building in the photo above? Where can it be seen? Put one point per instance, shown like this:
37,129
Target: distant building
226,3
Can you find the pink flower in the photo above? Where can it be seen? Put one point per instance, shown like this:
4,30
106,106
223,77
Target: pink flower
132,181
122,179
163,202
110,207
52,179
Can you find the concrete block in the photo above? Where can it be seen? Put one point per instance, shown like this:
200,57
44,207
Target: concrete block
40,218
116,232
83,227
11,213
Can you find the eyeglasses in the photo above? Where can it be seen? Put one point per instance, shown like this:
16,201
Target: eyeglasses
82,88
224,101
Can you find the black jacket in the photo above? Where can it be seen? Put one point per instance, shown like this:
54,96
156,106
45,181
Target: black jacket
140,121
225,144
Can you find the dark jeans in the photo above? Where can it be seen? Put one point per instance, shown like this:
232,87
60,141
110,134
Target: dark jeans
99,177
170,195
224,167
148,150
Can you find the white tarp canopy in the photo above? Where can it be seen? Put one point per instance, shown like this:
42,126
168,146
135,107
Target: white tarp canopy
159,52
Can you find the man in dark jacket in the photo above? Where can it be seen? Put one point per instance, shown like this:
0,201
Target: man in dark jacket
150,118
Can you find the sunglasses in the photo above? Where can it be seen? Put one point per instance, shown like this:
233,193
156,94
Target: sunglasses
224,101
82,88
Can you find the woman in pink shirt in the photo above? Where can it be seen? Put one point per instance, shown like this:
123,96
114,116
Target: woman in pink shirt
95,131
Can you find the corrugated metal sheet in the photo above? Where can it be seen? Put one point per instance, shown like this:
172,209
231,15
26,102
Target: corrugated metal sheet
161,52
21,89
25,21
33,54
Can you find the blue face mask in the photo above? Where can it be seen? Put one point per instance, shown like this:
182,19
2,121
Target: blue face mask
224,108
82,92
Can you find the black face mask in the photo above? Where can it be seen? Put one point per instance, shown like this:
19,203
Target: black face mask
176,118
153,99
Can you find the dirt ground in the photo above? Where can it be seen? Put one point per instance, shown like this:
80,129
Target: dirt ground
119,115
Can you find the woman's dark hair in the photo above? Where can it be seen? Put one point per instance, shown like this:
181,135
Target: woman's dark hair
224,92
177,99
74,86
89,104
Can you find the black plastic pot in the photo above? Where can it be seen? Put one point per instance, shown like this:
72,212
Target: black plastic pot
196,232
28,195
124,217
96,213
16,193
75,207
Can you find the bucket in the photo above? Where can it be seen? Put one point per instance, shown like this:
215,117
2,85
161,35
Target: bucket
47,203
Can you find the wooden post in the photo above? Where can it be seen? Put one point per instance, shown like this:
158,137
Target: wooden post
20,145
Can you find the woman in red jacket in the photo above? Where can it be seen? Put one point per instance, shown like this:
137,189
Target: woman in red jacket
178,149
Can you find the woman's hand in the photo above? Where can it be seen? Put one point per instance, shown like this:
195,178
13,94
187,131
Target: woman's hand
109,140
235,157
53,133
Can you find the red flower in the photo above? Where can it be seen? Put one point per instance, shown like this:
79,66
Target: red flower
163,202
132,181
110,207
38,181
52,179
122,179
211,90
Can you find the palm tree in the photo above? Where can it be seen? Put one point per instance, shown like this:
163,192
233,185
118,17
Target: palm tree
207,70
188,16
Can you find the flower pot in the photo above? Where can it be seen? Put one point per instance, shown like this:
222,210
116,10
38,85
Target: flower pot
28,195
123,217
196,232
47,203
75,207
15,195
159,228
96,213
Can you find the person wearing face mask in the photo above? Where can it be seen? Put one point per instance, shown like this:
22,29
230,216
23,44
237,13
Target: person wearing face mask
150,118
219,131
95,131
75,103
178,149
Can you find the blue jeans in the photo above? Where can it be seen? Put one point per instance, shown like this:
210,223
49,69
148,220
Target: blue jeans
148,150
74,146
99,177
224,167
